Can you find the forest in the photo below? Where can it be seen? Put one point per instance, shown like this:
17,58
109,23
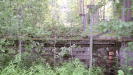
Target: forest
66,37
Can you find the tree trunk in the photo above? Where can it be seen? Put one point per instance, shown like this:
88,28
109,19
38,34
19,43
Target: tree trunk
127,13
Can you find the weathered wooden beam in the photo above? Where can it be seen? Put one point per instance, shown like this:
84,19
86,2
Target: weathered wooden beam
100,39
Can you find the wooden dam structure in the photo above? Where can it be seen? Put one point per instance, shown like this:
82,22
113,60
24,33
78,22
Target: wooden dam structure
106,50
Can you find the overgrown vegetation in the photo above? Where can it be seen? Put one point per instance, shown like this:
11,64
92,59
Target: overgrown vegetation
23,20
16,67
32,19
117,27
34,62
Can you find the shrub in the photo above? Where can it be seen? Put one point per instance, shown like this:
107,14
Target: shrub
69,68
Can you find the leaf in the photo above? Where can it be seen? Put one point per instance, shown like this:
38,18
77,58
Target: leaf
120,72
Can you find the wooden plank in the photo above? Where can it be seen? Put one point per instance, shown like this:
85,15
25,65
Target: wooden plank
113,39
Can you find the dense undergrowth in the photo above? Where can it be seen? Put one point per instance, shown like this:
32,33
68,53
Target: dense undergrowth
18,67
35,61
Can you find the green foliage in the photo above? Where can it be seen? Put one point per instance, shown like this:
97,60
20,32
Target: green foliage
119,28
96,71
126,70
4,45
130,46
5,50
120,72
31,18
21,18
71,68
4,60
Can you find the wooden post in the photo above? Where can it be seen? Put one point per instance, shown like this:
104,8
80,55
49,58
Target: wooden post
91,40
